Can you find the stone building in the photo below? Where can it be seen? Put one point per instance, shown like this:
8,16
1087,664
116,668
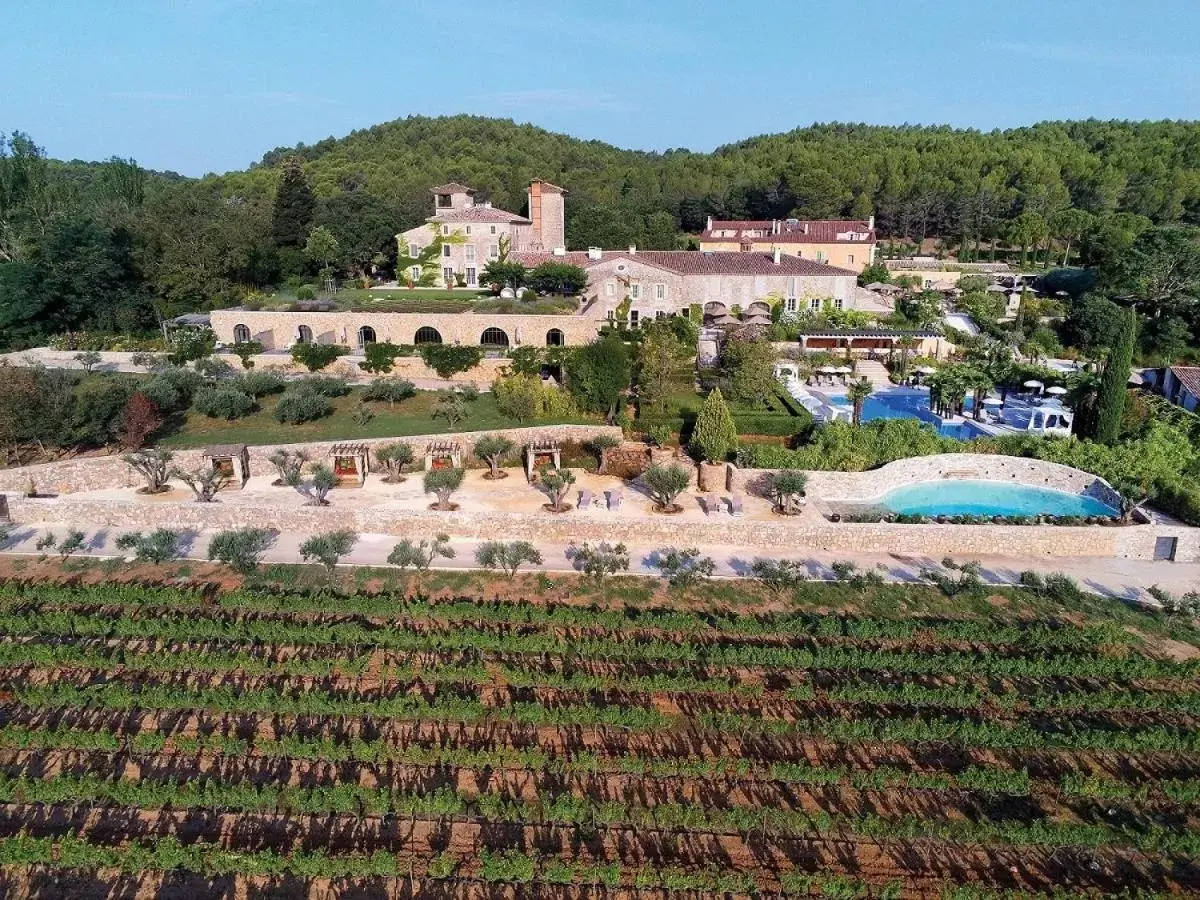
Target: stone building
475,233
845,243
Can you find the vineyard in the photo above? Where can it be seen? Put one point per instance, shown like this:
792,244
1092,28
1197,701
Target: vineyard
185,741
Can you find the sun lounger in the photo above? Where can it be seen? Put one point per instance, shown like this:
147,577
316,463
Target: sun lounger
585,499
614,499
735,506
709,503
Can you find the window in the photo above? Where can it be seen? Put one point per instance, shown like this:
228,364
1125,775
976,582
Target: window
815,304
241,334
494,251
414,251
850,259
493,337
472,281
427,335
303,335
468,229
633,318
470,251
555,338
445,251
838,303
635,291
660,291
448,276
415,272
791,304
443,200
366,335
609,289
820,256
446,229
493,229
660,314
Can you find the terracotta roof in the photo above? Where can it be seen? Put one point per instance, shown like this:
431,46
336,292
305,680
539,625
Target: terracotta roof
1189,377
742,224
479,214
695,262
451,188
813,231
552,188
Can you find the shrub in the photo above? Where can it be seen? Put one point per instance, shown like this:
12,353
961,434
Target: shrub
88,360
452,407
420,555
380,357
295,408
394,457
241,548
527,397
259,384
213,369
157,547
189,344
140,419
306,292
388,390
443,483
449,359
315,357
223,401
666,483
553,277
173,387
779,575
507,556
787,485
955,578
324,385
245,350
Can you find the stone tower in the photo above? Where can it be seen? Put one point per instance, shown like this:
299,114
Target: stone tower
547,211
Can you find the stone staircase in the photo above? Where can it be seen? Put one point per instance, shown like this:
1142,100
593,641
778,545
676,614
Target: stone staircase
874,371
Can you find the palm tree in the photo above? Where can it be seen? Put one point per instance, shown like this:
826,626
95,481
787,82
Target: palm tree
858,392
979,381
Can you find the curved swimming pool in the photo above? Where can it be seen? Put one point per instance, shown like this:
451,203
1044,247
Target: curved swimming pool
989,498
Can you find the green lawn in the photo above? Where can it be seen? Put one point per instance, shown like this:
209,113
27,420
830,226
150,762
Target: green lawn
410,417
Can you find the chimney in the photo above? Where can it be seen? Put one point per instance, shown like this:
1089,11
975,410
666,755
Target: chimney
774,226
871,223
806,228
709,227
560,251
595,253
776,256
633,249
535,209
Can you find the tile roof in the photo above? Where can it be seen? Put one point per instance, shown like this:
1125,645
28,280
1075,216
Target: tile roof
812,231
1189,377
479,214
553,188
452,187
695,262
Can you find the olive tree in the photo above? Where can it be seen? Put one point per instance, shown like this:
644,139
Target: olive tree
204,482
492,448
157,547
443,483
328,548
152,465
787,487
684,567
394,457
420,555
289,464
241,548
599,560
507,556
557,483
320,482
666,483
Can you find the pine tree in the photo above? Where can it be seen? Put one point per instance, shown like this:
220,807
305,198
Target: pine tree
715,435
294,206
1114,382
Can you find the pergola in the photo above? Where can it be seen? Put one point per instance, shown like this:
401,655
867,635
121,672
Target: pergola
230,460
443,455
351,462
541,453
861,339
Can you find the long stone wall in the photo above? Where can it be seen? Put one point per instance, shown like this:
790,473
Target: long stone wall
104,472
785,535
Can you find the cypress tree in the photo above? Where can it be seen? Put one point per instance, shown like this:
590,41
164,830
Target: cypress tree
1110,405
715,435
294,206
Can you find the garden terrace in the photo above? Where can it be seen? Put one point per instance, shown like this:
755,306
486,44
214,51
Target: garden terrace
269,740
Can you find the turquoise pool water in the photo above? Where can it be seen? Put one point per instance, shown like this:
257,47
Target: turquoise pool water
988,498
901,403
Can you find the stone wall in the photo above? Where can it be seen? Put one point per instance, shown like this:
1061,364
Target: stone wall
803,534
410,367
105,472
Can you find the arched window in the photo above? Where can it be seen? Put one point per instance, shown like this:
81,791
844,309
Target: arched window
366,335
493,337
303,335
427,335
555,338
241,334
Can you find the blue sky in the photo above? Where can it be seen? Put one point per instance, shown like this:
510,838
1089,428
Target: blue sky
210,85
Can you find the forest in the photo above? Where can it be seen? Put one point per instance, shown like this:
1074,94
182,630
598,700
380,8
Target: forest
111,246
